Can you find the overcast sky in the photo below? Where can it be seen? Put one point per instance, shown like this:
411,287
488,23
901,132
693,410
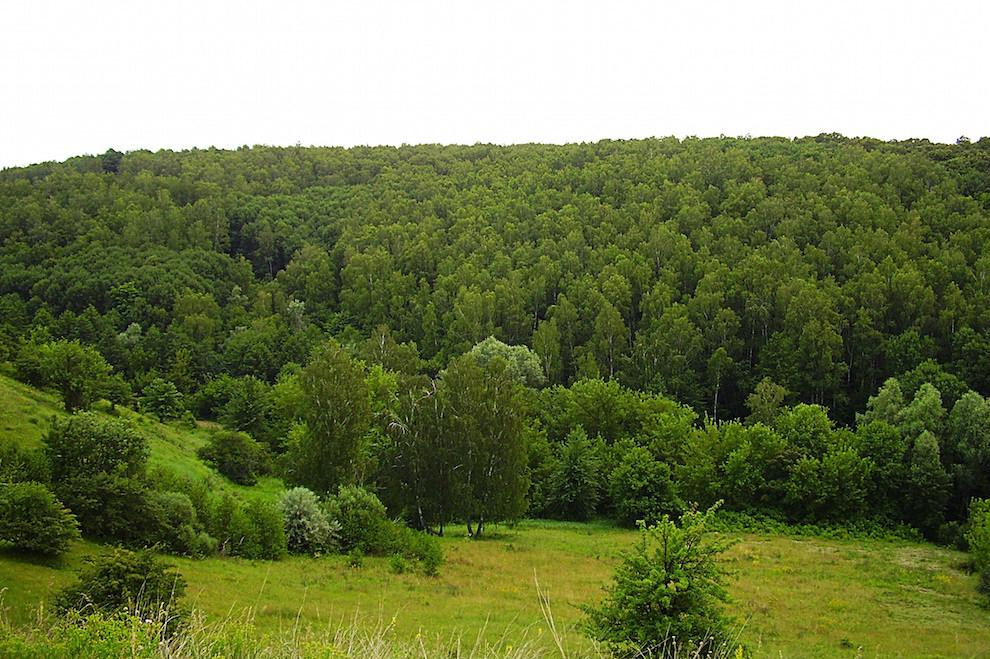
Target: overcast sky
81,76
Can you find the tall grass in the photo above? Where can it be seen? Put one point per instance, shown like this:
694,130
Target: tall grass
146,635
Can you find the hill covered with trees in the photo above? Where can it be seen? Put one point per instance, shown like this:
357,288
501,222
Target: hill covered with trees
475,332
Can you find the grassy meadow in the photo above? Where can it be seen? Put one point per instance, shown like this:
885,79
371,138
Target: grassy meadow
795,596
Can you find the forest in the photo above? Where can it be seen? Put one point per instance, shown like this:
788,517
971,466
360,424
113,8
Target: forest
785,331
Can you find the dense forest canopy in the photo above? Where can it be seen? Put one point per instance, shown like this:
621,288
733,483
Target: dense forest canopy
693,268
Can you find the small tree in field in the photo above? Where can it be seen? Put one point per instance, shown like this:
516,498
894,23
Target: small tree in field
666,594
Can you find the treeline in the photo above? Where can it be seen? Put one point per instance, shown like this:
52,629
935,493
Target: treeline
692,268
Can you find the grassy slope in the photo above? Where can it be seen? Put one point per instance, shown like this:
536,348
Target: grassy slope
800,597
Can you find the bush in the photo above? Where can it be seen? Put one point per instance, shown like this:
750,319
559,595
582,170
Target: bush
162,399
32,519
176,524
362,518
398,564
267,540
575,485
253,530
136,582
236,456
417,545
978,537
665,596
86,444
111,508
307,527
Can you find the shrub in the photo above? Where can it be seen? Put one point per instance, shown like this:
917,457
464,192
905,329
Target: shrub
86,444
665,596
236,456
137,582
978,537
111,507
176,524
163,399
252,530
362,518
32,519
267,539
307,527
398,564
355,558
414,544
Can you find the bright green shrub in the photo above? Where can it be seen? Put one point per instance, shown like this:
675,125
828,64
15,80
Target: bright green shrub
32,519
666,594
363,521
111,508
86,444
18,465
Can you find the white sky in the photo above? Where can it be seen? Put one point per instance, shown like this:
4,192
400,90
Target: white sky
79,76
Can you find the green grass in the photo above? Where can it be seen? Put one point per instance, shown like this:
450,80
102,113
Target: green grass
798,597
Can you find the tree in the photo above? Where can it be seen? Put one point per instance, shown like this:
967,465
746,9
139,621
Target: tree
927,485
78,372
576,483
978,538
546,344
163,399
642,489
665,597
337,415
610,338
32,519
766,402
522,364
482,407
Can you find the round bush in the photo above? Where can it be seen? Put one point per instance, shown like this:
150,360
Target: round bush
237,456
307,528
32,519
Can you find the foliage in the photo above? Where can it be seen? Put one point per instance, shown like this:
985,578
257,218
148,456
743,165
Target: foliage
521,363
576,484
137,582
642,489
978,538
667,592
237,456
337,414
78,372
86,444
162,399
32,519
362,518
307,528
